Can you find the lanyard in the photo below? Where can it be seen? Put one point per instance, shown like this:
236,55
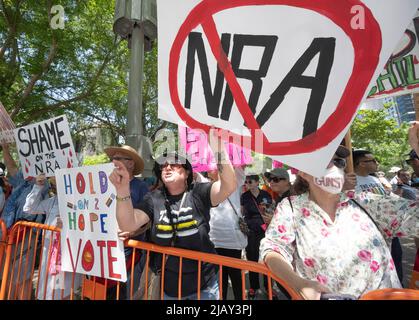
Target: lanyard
169,213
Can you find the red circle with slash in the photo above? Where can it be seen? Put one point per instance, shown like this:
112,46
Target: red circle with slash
366,42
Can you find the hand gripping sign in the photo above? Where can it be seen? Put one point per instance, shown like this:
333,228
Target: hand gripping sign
291,72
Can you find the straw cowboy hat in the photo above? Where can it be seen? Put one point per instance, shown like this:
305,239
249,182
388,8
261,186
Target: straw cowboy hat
130,153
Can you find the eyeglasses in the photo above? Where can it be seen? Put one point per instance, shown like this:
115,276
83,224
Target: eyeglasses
276,179
120,158
372,160
248,181
338,162
172,165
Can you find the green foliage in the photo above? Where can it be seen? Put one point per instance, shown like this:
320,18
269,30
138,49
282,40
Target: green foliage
374,131
81,70
96,159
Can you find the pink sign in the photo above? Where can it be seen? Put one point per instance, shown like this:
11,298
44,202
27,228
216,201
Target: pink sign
196,146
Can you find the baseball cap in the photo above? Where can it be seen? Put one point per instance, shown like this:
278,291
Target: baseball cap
277,172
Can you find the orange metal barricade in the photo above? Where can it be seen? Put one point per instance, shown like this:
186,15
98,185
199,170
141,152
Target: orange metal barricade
26,273
3,242
24,263
391,294
221,261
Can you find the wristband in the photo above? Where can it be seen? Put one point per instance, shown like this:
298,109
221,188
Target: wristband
120,199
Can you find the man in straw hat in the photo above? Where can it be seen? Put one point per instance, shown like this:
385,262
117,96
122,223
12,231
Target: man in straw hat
134,165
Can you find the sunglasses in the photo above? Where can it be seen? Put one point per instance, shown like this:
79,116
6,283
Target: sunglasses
120,158
276,179
339,163
248,181
172,165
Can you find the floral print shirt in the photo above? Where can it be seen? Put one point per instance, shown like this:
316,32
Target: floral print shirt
348,255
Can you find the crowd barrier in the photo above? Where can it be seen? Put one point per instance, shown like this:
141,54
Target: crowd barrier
3,243
27,272
391,294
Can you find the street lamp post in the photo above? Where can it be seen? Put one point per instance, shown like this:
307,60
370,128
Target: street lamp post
136,21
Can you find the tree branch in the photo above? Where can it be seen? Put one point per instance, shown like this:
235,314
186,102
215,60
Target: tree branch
84,94
37,76
12,25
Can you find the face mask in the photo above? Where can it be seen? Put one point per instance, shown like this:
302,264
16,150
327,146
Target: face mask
332,181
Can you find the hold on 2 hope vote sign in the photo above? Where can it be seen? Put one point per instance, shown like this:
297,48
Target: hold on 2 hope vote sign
287,74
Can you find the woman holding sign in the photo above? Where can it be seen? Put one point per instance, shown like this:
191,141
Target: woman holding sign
327,241
179,213
51,252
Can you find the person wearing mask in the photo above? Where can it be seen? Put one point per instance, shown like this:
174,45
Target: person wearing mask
328,241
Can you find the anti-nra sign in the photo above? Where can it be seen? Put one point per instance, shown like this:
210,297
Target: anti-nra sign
287,74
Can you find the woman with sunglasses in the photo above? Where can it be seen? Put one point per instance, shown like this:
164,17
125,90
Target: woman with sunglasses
279,182
325,240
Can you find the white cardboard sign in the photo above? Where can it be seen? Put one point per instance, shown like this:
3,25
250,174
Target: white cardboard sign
45,146
290,74
89,237
401,72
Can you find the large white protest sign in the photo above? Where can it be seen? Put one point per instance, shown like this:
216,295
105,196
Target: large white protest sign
6,126
401,72
89,237
45,146
296,70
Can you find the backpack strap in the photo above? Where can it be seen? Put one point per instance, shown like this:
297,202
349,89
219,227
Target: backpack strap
365,210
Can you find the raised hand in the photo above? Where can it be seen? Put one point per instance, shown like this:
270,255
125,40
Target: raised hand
350,181
120,178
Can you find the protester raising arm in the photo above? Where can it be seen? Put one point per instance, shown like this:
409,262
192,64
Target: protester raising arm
8,161
226,185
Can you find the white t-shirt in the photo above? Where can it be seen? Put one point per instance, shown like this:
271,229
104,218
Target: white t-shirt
370,184
224,227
